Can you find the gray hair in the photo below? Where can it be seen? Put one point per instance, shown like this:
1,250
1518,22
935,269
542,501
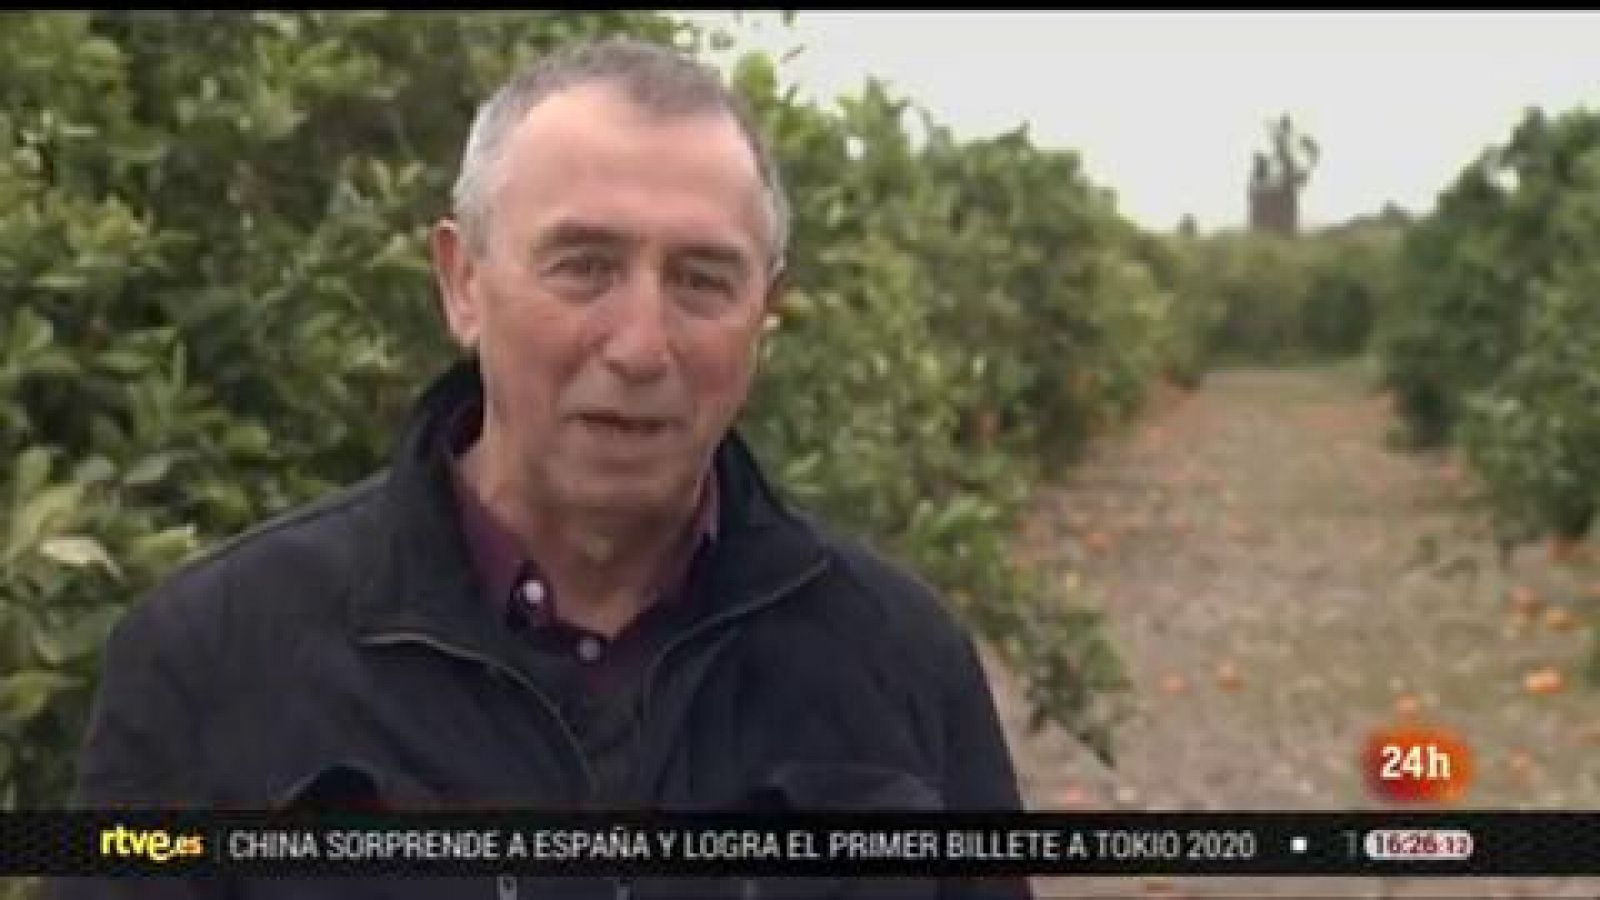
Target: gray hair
656,78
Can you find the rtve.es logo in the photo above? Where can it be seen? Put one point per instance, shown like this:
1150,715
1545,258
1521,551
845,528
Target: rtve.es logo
155,844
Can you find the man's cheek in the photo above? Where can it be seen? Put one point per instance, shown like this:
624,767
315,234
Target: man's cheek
720,397
724,371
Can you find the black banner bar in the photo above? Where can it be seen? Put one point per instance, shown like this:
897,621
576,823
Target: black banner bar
919,844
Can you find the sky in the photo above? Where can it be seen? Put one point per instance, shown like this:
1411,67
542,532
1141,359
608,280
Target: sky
1168,109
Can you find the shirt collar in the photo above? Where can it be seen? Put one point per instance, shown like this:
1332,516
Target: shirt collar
498,558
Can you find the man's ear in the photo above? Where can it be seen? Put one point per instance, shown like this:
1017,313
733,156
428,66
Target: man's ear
455,270
772,305
777,288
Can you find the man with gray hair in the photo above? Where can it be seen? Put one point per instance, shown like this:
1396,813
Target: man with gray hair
573,587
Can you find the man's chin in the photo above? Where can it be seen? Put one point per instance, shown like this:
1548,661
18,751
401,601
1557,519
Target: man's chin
622,500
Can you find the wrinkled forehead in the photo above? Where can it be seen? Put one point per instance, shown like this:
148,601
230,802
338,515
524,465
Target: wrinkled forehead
591,153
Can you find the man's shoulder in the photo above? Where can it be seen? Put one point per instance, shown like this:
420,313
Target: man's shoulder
900,605
331,516
312,541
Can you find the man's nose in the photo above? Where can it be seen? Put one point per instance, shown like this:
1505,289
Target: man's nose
637,343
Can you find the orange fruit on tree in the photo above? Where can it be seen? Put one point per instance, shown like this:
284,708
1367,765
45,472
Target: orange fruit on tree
1564,549
1098,541
1559,618
1543,681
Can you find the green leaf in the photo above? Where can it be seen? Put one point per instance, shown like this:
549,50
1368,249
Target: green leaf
78,551
56,364
248,440
77,131
24,695
99,51
33,333
123,363
40,517
755,76
33,469
149,470
142,148
61,282
82,639
801,469
93,470
163,549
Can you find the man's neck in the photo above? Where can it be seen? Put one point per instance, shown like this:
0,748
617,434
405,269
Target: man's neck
602,565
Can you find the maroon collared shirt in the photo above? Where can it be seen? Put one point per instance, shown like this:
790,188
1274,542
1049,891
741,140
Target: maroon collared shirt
521,596
595,682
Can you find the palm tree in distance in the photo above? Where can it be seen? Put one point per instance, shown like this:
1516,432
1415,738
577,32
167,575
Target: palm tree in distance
1278,177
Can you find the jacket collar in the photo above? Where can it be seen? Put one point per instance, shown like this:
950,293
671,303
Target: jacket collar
421,580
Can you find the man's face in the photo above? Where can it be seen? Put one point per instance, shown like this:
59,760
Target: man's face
617,305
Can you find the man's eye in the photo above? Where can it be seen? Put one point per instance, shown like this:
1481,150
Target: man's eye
705,282
585,267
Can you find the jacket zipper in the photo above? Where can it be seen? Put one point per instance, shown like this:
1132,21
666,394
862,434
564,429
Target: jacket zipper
506,886
573,745
748,889
719,619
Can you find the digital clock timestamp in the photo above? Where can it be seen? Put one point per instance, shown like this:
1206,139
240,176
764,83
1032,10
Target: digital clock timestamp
1418,844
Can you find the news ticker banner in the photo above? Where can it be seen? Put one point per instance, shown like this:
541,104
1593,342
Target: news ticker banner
918,844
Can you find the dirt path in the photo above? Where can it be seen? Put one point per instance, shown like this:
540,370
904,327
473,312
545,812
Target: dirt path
1280,582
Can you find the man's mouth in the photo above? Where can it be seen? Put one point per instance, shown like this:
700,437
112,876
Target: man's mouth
624,425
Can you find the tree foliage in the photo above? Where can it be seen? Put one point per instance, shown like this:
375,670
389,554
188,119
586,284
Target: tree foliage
219,307
1268,298
1496,345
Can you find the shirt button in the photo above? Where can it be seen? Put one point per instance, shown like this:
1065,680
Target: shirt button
589,649
533,594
